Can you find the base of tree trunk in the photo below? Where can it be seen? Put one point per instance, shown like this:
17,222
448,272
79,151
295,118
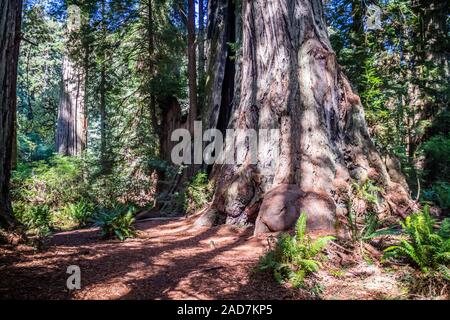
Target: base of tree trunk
288,79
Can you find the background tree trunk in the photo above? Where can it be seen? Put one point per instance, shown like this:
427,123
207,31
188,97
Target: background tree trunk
14,150
102,109
72,122
430,50
201,55
71,135
192,69
104,143
151,51
10,21
289,80
220,66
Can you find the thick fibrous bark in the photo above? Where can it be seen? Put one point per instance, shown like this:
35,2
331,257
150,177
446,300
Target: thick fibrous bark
220,82
10,20
171,120
71,133
151,65
72,122
289,80
192,65
201,55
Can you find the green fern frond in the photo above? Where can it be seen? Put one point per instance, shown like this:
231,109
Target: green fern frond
319,244
309,264
300,227
424,246
444,271
294,257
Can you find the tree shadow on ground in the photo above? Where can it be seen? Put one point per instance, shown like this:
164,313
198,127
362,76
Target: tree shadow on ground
170,261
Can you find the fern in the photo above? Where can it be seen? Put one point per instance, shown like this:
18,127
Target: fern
300,228
294,257
444,231
118,223
198,193
425,247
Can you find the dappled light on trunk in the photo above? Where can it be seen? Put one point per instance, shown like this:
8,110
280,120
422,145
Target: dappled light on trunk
290,80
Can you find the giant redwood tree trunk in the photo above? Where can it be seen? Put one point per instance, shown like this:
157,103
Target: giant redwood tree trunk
72,122
71,133
10,20
288,79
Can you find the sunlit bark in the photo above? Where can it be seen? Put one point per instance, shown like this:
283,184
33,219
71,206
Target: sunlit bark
71,134
288,79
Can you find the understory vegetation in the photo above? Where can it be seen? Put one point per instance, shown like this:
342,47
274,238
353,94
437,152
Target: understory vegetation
116,223
295,256
63,193
198,193
424,246
58,194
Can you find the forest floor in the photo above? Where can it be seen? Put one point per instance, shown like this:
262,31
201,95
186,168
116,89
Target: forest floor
171,260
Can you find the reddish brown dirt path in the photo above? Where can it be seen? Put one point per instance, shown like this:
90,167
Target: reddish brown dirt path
169,260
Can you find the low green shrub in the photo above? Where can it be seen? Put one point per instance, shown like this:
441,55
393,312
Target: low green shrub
54,183
437,158
294,257
81,212
37,219
51,195
444,230
363,220
31,147
198,193
116,223
125,182
439,194
424,246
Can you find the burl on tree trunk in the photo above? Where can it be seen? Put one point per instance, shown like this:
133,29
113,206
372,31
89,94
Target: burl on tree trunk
288,78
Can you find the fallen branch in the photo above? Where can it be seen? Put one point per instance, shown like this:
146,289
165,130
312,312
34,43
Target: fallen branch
340,247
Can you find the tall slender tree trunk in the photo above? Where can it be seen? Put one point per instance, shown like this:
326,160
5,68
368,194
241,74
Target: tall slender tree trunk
192,69
14,151
219,87
10,21
192,78
72,123
151,64
103,111
201,54
288,79
430,50
102,91
71,132
86,66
